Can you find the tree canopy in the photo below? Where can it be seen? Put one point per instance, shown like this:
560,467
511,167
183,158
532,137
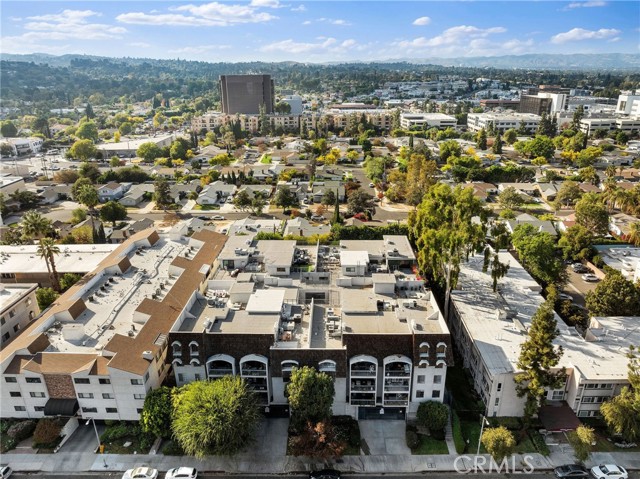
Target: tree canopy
310,395
537,252
614,296
156,412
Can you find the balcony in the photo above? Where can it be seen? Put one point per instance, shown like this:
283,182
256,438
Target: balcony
363,402
394,402
363,371
256,372
396,388
220,371
363,388
397,372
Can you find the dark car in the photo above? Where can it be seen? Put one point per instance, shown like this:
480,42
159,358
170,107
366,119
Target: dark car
325,474
571,470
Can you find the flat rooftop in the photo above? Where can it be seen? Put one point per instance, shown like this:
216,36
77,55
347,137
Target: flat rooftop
625,259
277,252
73,258
10,293
111,301
497,322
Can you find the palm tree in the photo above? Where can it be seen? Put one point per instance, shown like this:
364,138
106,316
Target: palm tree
46,250
88,196
634,234
34,225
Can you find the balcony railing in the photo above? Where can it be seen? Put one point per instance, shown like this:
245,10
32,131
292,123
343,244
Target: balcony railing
395,387
363,388
220,371
363,402
401,373
254,372
395,402
363,372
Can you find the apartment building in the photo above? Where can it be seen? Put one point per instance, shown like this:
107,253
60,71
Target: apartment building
100,347
427,120
609,123
489,329
246,94
355,311
18,307
503,121
211,121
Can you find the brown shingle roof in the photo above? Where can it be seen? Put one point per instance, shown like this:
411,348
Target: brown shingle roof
59,363
162,314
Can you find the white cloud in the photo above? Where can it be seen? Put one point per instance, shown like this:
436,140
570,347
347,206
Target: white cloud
330,21
140,44
299,8
266,3
66,25
578,34
422,21
588,4
454,36
199,49
323,45
307,22
212,14
615,39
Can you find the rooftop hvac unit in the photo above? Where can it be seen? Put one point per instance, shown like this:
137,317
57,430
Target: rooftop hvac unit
148,355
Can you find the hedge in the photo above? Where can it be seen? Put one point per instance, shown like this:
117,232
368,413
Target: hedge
21,430
457,434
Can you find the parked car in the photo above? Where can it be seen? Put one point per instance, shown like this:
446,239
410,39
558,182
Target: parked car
579,268
609,471
218,218
203,218
371,185
317,218
325,474
565,297
5,471
141,473
571,470
181,473
590,278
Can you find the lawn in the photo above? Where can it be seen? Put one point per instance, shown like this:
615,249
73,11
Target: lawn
266,159
429,445
206,207
120,433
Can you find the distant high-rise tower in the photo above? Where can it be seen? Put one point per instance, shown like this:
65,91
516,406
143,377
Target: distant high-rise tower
246,93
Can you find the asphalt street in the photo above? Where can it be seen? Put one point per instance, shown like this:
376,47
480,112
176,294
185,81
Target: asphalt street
300,476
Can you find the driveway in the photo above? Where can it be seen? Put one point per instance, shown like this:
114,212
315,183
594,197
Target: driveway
84,438
270,439
578,287
385,437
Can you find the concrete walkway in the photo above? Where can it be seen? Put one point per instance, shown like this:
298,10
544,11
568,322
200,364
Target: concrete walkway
385,437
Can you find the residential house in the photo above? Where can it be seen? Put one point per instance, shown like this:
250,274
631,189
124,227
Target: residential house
216,192
540,225
321,187
111,192
620,224
302,227
482,190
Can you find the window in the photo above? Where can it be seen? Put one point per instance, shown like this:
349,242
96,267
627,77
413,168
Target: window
193,348
420,394
180,378
139,410
497,402
146,377
16,328
19,408
281,270
15,394
112,410
557,395
85,395
138,396
350,269
39,409
437,379
499,387
10,379
6,336
594,399
606,386
104,381
89,409
435,394
8,275
136,382
81,380
107,396
12,313
197,377
36,394
33,380
420,378
2,321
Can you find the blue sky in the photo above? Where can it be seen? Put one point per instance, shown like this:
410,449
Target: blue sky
318,31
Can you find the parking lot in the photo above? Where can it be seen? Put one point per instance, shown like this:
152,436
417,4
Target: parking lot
577,287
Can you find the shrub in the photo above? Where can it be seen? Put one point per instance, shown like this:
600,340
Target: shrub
538,443
412,439
5,424
458,439
433,415
511,423
47,431
172,448
499,442
7,444
21,430
115,432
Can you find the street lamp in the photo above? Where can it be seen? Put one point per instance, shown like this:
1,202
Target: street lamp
484,421
95,428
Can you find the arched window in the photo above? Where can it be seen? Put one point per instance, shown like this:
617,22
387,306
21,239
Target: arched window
441,350
287,368
327,366
424,350
423,363
193,348
176,348
441,363
194,362
177,362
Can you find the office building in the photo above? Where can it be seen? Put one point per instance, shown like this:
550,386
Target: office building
245,94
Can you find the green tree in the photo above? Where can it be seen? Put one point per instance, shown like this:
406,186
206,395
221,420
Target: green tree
581,440
88,112
359,201
449,148
591,213
45,297
148,152
481,139
445,233
537,252
577,118
114,162
89,170
310,395
538,358
35,226
83,150
8,129
496,148
510,136
258,203
499,442
242,200
80,182
538,146
69,279
88,196
113,211
568,194
614,296
336,219
27,199
433,415
510,198
156,412
214,417
47,249
178,149
576,243
284,198
328,198
162,193
125,128
634,234
87,130
622,412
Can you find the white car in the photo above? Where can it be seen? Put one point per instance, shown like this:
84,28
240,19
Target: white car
371,185
591,278
609,471
5,472
141,473
217,218
182,473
